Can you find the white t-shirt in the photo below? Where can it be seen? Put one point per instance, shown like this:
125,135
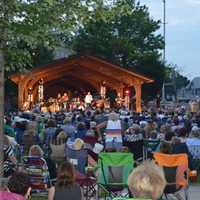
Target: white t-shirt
88,98
114,125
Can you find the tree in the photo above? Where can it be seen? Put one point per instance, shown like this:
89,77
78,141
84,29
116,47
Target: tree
175,79
173,74
122,32
29,24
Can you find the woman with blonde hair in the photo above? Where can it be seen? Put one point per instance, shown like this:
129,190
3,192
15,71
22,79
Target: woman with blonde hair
147,181
65,188
35,150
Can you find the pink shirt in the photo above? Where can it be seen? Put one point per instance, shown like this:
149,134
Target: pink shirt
4,195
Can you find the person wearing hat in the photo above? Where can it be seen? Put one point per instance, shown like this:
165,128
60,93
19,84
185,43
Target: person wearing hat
77,154
78,144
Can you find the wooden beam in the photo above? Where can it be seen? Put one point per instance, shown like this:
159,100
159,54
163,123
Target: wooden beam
138,94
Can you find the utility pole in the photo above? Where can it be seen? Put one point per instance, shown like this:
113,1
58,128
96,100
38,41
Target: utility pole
164,29
164,49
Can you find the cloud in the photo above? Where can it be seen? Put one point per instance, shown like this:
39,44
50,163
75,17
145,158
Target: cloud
178,12
183,20
193,2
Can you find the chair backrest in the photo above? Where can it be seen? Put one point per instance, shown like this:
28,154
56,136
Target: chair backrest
78,158
57,141
175,165
58,152
135,147
149,147
114,168
90,140
37,169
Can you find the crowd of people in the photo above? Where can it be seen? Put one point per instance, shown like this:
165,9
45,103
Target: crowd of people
37,135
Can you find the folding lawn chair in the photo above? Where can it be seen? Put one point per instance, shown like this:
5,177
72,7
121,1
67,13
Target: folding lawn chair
136,148
37,169
114,169
57,149
90,140
176,173
113,139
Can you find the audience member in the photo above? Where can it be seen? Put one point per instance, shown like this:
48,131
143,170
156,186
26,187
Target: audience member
65,187
147,181
18,187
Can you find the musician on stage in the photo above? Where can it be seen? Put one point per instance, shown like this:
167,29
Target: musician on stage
65,100
59,101
119,100
88,99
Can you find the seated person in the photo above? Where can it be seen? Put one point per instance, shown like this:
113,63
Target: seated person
36,151
181,147
133,134
10,160
18,187
166,147
65,188
77,154
147,181
113,135
81,130
93,155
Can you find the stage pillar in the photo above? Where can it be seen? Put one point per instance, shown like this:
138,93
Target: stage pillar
138,96
20,95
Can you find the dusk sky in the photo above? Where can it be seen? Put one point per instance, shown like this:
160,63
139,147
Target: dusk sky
182,32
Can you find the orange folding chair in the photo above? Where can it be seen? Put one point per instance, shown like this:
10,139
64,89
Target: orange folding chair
176,173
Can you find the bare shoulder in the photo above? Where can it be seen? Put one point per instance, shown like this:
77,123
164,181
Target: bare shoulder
51,193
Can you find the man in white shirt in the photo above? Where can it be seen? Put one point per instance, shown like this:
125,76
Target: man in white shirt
88,99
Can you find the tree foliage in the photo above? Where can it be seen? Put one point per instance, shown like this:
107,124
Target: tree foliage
173,75
31,24
123,32
26,25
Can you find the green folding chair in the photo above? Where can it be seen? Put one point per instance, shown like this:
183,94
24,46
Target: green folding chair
114,169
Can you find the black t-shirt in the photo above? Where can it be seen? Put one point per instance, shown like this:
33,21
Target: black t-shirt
70,192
